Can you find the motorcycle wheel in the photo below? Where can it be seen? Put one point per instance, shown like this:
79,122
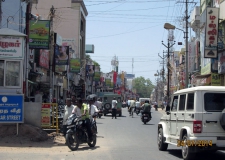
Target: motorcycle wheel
72,141
93,143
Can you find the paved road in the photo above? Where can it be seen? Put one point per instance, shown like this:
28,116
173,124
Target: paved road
124,138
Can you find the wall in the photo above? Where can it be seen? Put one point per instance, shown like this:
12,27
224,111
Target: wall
32,113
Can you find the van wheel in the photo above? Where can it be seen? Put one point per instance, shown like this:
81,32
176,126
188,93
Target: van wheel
186,150
161,144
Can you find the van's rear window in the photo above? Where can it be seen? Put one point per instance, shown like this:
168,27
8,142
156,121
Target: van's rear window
214,102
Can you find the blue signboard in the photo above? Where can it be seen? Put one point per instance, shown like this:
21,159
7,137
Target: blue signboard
11,109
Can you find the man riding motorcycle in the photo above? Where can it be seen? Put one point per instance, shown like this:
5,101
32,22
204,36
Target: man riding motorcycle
82,110
146,108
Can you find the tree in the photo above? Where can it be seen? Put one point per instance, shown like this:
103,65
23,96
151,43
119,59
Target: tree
143,86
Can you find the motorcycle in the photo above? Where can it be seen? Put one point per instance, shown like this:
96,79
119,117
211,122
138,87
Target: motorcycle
77,132
145,118
137,110
100,113
156,107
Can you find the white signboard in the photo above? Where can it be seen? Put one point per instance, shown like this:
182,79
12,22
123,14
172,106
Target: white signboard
211,32
191,56
11,47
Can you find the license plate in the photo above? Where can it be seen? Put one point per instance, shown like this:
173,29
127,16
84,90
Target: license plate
145,117
70,126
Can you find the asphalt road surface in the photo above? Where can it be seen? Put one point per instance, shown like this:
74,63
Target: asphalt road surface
124,138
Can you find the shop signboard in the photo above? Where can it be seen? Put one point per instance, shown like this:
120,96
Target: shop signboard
211,32
39,34
90,70
97,76
191,56
215,79
45,115
60,68
11,108
44,58
11,47
75,65
61,55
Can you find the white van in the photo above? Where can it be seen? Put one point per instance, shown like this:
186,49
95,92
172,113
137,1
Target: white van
194,121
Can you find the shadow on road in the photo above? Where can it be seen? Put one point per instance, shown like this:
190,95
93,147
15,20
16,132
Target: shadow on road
202,155
99,123
148,124
84,148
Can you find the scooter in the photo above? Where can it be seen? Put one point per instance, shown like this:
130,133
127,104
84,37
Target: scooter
137,110
156,107
100,113
145,117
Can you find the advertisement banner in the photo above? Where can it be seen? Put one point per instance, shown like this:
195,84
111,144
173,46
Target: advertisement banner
11,47
97,76
45,115
61,55
215,79
75,65
214,65
211,32
44,58
221,63
60,68
90,70
108,82
39,34
72,47
191,56
11,108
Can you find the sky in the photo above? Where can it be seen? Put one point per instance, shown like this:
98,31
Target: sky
133,29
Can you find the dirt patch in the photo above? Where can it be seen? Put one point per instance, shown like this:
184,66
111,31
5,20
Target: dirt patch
28,135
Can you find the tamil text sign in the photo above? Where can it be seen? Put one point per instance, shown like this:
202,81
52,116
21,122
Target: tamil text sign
11,108
11,47
211,32
39,34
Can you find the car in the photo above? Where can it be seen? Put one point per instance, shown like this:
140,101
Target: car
194,121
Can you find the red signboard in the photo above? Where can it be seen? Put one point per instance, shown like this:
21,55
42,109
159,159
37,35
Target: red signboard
44,58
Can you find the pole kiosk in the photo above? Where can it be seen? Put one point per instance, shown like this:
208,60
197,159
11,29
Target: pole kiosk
168,46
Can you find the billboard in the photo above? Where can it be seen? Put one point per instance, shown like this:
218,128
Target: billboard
61,55
44,58
75,65
72,47
39,34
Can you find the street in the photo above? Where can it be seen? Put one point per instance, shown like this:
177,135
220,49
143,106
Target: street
118,139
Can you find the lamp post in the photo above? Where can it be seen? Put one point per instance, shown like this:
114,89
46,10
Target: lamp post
170,26
168,46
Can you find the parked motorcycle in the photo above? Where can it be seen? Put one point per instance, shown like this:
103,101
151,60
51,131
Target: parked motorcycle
156,107
145,118
77,132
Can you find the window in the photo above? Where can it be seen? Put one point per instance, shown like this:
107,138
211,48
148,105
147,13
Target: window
214,102
174,105
182,102
10,73
190,101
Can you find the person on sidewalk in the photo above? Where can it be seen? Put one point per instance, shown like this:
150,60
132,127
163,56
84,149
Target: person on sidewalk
114,107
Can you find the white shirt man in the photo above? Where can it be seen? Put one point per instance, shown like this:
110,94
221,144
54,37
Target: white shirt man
77,111
114,104
93,109
138,104
98,104
67,110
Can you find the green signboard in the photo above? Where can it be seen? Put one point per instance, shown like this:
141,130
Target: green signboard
39,34
97,76
215,79
108,82
75,65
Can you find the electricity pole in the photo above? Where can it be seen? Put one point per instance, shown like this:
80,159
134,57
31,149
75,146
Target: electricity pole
168,46
163,72
186,40
52,13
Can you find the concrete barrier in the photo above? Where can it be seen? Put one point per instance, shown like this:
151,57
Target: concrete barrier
32,113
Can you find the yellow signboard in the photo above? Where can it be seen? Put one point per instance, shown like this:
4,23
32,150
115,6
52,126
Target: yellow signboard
45,115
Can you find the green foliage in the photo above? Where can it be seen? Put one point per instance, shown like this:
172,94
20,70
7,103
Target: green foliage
143,86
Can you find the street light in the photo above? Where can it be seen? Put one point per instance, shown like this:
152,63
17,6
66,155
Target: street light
170,26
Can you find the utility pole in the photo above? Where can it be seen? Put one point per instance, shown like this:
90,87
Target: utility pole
52,13
163,72
186,40
168,46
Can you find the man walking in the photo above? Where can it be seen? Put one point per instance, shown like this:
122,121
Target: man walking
114,107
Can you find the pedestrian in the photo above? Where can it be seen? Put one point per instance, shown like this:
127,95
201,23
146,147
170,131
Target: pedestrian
67,112
114,107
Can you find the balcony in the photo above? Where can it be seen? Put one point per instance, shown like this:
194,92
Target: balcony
195,18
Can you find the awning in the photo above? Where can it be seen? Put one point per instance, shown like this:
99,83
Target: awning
202,76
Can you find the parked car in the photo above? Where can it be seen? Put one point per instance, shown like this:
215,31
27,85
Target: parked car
195,121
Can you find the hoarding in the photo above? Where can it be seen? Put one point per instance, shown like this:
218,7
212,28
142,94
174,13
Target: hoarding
11,47
45,115
61,55
44,58
75,65
11,108
39,34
